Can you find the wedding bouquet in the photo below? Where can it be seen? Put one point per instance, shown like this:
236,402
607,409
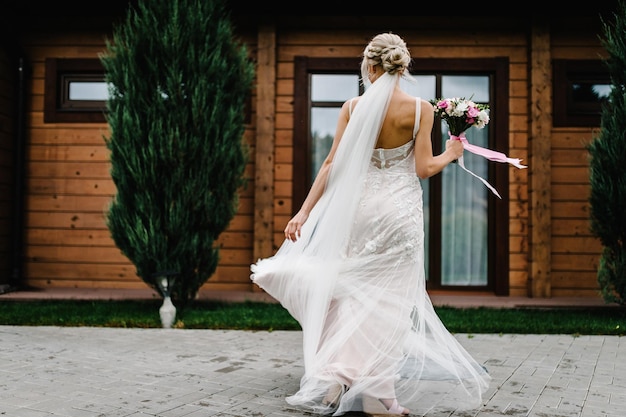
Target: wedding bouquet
461,114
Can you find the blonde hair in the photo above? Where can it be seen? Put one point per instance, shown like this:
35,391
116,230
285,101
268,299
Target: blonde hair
387,50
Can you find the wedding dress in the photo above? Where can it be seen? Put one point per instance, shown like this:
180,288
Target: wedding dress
355,281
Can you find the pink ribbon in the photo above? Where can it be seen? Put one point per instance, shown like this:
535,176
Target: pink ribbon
485,153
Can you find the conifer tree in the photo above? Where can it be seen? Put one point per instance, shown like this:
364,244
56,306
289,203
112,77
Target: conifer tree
178,82
608,168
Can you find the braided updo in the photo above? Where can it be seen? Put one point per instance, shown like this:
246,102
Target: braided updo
387,50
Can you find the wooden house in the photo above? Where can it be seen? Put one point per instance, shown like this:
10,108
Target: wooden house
535,241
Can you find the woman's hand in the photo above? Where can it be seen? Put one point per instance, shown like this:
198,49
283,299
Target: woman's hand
455,148
293,230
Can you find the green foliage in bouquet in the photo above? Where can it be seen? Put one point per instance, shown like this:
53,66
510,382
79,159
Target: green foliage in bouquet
178,84
607,170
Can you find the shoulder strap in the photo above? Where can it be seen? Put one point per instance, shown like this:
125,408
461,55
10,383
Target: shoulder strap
418,108
350,107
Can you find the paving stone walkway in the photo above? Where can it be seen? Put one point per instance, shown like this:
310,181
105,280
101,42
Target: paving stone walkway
113,372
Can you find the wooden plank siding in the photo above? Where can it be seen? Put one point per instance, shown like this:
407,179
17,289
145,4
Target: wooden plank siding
68,190
575,253
7,162
68,187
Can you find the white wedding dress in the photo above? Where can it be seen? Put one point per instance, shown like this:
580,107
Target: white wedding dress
356,284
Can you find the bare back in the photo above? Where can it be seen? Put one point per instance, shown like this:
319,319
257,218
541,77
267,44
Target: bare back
399,123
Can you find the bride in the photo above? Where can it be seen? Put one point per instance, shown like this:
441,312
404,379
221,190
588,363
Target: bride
351,268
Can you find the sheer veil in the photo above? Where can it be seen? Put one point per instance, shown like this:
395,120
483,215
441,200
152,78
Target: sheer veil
313,261
355,282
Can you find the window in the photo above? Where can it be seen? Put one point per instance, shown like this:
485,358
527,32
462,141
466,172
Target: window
460,214
75,91
328,93
581,87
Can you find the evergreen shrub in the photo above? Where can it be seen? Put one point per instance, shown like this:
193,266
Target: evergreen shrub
178,83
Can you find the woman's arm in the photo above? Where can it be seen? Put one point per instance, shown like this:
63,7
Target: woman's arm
293,228
427,165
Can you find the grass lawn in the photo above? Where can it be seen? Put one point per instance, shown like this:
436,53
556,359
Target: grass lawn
271,316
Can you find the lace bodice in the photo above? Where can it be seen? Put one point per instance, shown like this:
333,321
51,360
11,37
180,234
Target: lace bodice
386,158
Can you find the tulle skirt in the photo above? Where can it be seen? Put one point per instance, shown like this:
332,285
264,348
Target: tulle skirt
369,328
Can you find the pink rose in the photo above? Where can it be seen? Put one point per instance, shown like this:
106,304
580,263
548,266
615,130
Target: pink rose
472,112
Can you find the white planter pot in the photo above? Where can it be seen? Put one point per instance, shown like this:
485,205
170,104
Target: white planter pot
167,313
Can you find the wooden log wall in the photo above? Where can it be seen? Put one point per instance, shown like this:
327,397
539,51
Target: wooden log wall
7,162
69,187
575,252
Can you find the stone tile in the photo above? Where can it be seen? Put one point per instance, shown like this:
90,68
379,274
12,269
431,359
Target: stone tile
86,372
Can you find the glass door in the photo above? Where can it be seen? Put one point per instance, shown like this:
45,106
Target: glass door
461,216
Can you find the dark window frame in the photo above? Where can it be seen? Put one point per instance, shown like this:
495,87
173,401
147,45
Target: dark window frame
566,112
58,108
498,69
304,67
498,174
